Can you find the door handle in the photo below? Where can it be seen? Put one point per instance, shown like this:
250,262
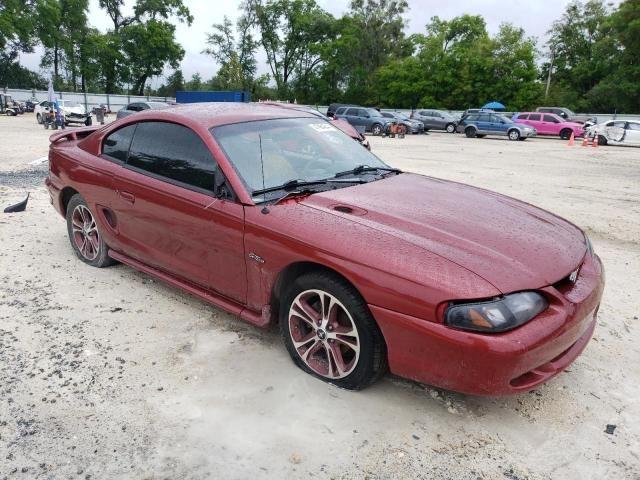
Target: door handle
127,197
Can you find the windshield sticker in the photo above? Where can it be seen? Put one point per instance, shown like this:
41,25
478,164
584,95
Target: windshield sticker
322,127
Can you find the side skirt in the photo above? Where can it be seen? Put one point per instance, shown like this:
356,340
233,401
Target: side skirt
205,295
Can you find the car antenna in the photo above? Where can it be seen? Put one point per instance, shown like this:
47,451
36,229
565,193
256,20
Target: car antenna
264,210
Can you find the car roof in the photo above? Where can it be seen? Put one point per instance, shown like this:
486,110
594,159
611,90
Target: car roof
213,114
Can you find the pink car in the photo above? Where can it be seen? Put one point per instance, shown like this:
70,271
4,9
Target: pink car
550,124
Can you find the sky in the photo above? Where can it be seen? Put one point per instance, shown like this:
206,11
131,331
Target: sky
534,16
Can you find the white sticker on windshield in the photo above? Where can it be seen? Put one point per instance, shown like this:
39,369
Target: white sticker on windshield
322,127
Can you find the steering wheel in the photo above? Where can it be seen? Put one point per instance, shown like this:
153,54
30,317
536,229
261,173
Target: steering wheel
315,166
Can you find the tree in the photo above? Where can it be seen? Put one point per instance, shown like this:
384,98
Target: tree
148,47
371,35
16,25
237,59
290,32
195,83
583,52
13,75
620,89
142,44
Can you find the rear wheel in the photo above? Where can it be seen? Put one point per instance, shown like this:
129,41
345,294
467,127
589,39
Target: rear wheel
514,134
330,333
85,237
470,132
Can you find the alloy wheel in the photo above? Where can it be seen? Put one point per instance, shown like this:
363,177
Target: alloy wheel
324,334
85,233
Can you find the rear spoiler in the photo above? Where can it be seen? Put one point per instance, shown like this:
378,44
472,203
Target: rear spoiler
75,134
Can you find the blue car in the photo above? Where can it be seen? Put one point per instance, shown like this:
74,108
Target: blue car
481,124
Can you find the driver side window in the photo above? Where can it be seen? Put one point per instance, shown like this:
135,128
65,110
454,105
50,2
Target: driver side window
173,152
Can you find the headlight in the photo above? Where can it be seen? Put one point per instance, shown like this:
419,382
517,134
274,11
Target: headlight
495,316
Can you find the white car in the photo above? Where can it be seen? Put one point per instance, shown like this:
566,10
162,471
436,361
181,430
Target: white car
73,112
616,132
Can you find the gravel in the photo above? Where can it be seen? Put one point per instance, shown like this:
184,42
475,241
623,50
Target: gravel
105,373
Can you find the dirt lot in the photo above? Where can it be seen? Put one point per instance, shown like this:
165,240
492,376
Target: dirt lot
109,374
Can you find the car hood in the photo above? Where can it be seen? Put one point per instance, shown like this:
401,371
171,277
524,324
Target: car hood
509,243
78,110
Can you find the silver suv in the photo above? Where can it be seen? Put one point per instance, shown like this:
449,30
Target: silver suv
365,119
436,120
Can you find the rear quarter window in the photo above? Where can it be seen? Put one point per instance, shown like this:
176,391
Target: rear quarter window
116,145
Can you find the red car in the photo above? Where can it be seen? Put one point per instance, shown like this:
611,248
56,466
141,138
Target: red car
276,216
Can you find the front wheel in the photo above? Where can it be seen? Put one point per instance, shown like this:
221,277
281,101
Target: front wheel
451,128
470,132
376,129
566,134
602,140
514,134
85,237
330,333
39,118
88,121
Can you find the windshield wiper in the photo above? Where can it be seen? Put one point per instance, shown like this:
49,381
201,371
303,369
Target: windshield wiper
294,184
366,168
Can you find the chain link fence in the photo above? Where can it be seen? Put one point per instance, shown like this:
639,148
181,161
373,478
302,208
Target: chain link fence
89,100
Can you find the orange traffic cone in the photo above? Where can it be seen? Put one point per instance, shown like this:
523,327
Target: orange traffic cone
585,141
595,141
571,140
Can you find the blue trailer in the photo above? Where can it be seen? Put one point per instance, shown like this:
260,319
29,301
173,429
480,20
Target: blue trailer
211,96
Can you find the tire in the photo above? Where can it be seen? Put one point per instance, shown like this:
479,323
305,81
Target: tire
320,349
84,235
602,140
565,133
450,128
376,129
470,132
39,118
513,134
88,122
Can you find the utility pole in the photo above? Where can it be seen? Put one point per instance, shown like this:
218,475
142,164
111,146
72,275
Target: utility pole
546,92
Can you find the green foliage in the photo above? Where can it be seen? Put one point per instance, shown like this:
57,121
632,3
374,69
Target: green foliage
148,47
13,75
16,25
237,59
592,55
291,32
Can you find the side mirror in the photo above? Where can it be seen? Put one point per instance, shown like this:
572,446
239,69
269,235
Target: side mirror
220,189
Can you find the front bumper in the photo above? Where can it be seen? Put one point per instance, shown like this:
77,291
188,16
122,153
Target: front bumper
528,134
498,364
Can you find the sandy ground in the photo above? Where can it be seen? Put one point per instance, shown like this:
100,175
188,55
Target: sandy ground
105,373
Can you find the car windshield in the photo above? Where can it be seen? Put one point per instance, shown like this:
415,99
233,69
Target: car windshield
303,149
68,103
569,112
401,116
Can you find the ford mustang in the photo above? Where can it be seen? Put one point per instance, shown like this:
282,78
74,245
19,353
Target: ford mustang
277,216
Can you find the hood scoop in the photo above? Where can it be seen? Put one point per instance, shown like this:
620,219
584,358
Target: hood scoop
348,209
